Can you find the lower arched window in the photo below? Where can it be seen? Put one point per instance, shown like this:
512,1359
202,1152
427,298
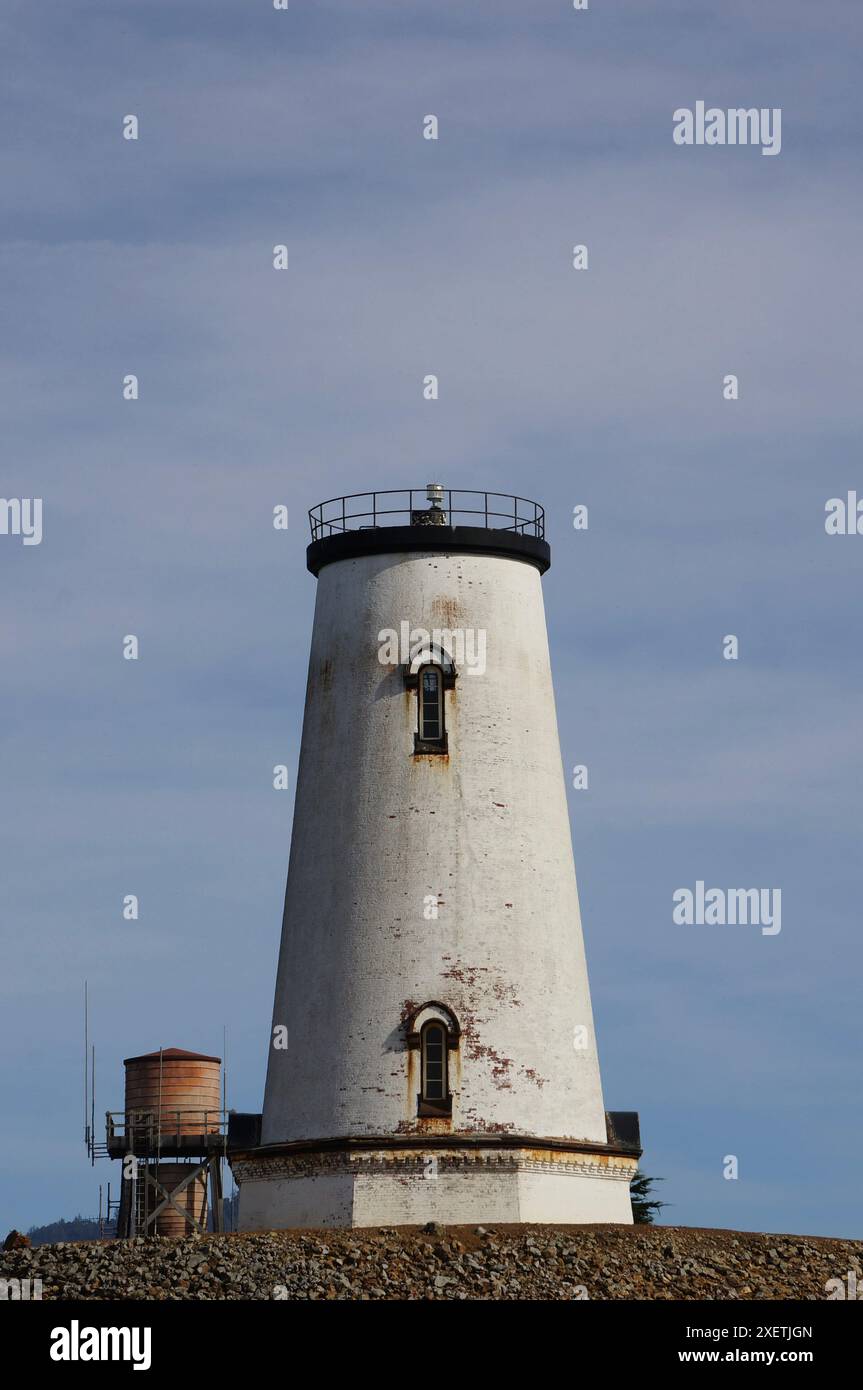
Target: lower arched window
432,1035
433,1053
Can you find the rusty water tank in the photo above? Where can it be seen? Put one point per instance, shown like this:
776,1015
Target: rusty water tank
171,1094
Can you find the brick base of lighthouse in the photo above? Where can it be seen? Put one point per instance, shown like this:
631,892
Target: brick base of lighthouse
405,1186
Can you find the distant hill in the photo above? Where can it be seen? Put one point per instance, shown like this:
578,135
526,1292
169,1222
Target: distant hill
79,1228
87,1227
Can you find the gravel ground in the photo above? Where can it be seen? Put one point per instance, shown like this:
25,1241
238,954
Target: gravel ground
509,1262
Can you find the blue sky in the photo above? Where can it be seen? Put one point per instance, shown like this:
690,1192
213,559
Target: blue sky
256,388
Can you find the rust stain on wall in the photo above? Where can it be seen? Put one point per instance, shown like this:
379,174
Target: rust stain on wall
469,975
478,1125
408,1008
412,1086
446,611
434,1124
477,986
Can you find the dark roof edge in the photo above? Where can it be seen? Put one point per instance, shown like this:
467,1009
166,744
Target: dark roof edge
616,1148
172,1054
465,540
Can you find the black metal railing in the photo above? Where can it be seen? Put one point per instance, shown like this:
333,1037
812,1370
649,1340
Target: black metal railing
361,511
151,1127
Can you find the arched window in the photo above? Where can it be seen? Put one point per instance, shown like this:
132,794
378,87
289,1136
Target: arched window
431,729
433,1052
432,1032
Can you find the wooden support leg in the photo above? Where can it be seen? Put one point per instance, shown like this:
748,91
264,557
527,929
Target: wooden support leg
123,1214
216,1197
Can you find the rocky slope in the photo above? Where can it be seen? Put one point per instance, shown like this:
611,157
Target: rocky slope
454,1262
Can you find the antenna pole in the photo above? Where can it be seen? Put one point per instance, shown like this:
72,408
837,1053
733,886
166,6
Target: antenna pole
86,1059
224,1153
159,1118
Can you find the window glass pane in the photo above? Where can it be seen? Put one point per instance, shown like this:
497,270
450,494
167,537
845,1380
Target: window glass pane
431,712
434,1063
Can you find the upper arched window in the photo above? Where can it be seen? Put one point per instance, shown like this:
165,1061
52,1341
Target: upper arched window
431,703
431,726
430,674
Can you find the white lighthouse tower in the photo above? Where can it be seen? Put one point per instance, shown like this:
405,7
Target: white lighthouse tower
432,1053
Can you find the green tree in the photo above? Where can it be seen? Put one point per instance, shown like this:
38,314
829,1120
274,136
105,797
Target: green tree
79,1228
644,1204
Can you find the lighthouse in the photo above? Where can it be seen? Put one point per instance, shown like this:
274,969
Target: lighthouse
432,1054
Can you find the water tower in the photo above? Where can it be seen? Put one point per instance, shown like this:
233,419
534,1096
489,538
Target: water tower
170,1136
432,1054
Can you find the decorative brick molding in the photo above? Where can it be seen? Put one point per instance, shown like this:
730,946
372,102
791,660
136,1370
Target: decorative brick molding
402,1164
